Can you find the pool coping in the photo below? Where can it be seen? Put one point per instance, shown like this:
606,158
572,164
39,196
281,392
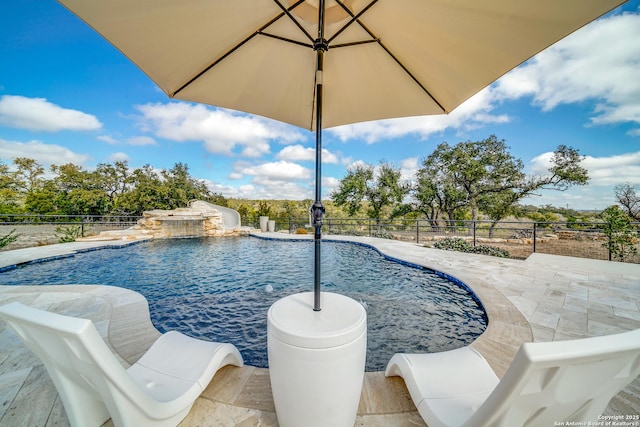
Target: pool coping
384,400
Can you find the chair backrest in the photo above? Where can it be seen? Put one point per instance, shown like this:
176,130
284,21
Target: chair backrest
74,354
562,381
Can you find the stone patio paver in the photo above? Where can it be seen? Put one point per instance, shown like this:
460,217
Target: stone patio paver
544,298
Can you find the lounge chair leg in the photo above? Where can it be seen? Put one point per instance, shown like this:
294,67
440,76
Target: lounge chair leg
81,408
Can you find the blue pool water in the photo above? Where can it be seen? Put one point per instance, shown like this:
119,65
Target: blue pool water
220,289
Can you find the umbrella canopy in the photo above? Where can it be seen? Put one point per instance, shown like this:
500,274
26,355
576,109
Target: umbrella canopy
385,58
324,63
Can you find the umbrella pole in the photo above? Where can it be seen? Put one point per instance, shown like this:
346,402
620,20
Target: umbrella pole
317,209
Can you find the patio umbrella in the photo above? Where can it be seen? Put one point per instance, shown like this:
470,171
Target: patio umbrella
322,63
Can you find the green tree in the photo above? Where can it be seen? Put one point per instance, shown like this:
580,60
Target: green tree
498,206
436,192
147,192
565,171
622,236
43,200
181,187
114,180
79,192
484,174
17,184
10,195
353,188
164,189
475,170
29,174
381,187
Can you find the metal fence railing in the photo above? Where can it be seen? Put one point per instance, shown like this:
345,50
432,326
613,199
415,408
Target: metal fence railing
519,238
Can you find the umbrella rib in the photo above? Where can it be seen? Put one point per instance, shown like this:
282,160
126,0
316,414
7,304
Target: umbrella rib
213,64
354,18
239,45
375,39
273,36
295,21
336,46
410,74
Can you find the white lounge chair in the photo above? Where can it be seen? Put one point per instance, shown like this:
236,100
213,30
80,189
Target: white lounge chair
547,383
158,390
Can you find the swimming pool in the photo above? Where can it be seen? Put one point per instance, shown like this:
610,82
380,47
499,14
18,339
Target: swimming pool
220,289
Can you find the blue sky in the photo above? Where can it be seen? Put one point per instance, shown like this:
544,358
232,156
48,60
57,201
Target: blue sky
66,95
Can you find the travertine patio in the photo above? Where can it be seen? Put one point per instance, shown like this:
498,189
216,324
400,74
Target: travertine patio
544,298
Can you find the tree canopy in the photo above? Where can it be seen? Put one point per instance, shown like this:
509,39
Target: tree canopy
380,186
454,182
109,189
475,175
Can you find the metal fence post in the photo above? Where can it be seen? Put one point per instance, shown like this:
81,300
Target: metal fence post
81,226
417,231
534,236
609,236
474,233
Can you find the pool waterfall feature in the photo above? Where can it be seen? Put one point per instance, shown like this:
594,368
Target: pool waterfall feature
177,226
200,219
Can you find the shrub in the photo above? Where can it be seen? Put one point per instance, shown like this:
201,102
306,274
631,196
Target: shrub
382,235
453,244
490,250
68,234
461,245
8,238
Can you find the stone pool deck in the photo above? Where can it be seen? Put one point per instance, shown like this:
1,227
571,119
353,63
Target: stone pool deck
544,298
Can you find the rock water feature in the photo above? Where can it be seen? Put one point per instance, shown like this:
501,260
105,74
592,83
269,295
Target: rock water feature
200,219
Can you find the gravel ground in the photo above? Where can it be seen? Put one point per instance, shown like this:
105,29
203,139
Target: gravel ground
30,235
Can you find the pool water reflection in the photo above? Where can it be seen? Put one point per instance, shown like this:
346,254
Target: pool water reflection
220,289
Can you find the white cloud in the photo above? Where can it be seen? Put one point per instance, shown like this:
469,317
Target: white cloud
409,167
278,172
299,153
45,154
271,180
604,173
119,157
141,140
221,130
108,139
600,62
474,113
290,191
38,114
134,140
329,185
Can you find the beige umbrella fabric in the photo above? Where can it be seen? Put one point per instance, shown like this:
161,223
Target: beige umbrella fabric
410,57
325,63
